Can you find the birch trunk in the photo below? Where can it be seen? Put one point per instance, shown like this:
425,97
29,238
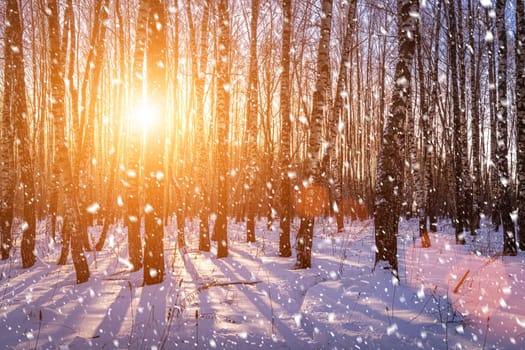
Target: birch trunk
62,167
460,215
223,126
7,162
312,190
154,169
86,142
252,168
474,97
340,108
285,249
493,179
520,114
203,192
389,183
509,239
133,217
466,177
19,111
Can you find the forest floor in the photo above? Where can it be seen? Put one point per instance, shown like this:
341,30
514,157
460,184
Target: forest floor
447,296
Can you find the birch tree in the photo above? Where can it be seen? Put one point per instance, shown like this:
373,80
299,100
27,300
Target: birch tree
154,168
466,179
62,166
427,103
420,168
312,190
202,156
110,211
252,167
286,129
133,216
7,162
389,183
86,140
223,107
520,115
460,188
509,239
474,98
430,149
16,73
493,182
337,116
14,124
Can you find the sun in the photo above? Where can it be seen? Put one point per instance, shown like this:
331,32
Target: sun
145,114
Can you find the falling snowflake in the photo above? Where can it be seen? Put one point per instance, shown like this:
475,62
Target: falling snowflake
93,208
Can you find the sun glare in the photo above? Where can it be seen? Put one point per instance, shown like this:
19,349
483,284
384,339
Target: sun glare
145,114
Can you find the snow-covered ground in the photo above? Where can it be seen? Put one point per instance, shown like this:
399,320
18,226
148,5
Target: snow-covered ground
448,296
